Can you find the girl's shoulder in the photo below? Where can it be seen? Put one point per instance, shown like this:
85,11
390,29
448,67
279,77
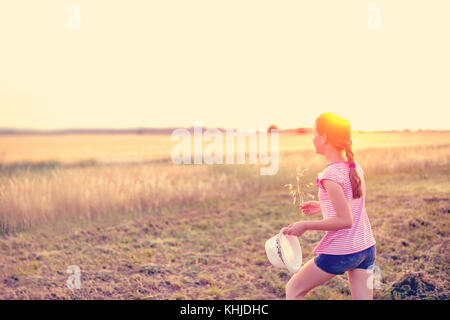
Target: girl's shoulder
341,167
340,171
336,168
334,171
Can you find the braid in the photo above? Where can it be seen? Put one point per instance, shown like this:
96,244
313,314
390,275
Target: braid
349,154
354,177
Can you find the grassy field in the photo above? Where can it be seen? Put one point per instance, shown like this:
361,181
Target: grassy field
143,228
113,148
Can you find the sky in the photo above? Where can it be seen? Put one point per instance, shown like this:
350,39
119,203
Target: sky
235,63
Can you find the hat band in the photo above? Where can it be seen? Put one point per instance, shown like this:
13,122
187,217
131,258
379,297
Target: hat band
279,248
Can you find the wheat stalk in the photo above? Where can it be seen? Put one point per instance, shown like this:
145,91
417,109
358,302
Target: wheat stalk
299,192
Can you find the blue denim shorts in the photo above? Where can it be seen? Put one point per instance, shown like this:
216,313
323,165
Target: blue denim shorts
339,264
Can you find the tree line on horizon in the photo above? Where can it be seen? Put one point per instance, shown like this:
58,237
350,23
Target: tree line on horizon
141,130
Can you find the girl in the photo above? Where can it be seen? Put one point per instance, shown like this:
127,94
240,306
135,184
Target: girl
348,244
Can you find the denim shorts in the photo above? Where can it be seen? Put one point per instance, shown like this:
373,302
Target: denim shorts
339,264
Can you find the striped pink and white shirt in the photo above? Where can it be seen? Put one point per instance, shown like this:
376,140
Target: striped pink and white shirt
359,236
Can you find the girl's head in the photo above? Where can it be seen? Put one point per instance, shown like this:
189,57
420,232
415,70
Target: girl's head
331,131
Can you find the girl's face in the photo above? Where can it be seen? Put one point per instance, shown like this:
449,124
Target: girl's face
318,141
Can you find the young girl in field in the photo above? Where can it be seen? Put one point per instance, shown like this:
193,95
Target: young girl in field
348,244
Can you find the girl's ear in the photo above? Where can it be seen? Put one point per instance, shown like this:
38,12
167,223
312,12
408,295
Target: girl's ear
324,138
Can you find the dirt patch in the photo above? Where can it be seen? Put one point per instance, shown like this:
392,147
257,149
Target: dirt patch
415,223
434,199
415,286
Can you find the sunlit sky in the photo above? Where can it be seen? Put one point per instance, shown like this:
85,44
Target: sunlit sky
234,63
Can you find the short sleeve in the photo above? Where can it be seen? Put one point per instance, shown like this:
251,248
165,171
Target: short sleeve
330,175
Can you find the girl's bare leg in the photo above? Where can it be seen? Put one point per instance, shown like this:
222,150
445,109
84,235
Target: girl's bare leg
361,284
306,279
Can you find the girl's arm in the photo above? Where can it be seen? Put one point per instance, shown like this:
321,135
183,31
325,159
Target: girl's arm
343,218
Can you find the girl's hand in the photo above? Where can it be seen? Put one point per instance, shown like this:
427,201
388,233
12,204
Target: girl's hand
296,229
311,207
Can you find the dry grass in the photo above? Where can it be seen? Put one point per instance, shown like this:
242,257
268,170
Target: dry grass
215,250
91,193
32,194
155,230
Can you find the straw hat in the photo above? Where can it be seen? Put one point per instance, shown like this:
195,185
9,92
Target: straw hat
284,251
